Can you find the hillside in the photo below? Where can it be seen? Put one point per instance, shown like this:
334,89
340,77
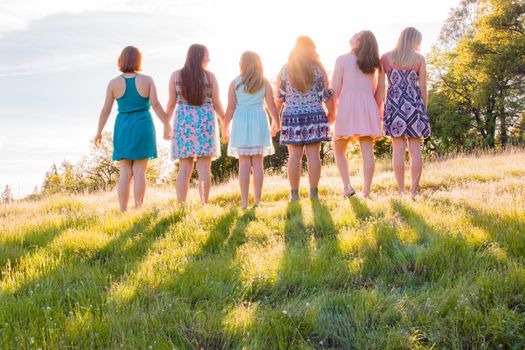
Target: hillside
444,271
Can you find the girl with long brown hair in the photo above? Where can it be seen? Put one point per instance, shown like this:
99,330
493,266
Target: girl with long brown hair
195,93
354,82
250,138
302,88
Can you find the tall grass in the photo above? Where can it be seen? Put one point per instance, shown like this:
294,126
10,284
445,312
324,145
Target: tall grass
444,271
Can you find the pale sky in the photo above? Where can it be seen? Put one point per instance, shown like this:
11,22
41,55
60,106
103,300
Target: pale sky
57,56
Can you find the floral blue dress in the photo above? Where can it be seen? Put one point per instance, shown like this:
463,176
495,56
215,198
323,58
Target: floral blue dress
304,119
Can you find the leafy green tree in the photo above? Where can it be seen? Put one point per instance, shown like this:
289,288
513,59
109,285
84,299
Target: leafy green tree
478,74
52,181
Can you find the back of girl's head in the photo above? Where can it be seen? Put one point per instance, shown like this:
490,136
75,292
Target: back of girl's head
404,53
130,60
367,52
251,72
302,63
192,75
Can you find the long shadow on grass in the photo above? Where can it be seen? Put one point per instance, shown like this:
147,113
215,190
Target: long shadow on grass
312,266
16,250
208,286
361,210
441,255
503,229
83,281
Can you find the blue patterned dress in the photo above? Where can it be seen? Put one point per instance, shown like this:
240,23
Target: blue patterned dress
304,119
405,114
195,128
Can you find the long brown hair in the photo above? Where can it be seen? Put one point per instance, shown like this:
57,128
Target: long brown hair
302,63
251,72
367,53
193,76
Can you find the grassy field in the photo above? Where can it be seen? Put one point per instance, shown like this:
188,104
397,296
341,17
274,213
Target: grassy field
444,272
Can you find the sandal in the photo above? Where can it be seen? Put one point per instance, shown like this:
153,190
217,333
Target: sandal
349,192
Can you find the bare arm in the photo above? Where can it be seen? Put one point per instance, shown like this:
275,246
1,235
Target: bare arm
232,102
278,102
423,81
104,113
172,97
329,103
157,108
272,107
380,88
155,104
217,105
337,78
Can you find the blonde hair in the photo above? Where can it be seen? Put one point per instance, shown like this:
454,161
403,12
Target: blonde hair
302,63
251,72
404,54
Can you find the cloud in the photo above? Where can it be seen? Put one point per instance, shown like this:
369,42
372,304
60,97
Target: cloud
67,41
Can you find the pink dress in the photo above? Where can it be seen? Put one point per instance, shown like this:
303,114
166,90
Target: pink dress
357,111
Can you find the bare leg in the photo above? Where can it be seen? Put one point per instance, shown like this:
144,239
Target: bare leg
258,177
367,152
416,163
139,181
340,147
245,165
124,183
183,178
295,156
398,162
314,167
204,171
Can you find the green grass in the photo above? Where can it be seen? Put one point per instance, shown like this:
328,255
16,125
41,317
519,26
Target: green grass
443,272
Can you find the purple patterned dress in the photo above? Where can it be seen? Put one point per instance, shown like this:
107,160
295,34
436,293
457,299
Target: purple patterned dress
405,114
304,119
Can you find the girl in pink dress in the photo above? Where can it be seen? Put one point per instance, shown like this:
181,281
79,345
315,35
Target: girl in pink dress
354,82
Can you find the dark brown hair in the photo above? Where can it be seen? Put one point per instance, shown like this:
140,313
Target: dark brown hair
130,60
367,53
193,76
302,63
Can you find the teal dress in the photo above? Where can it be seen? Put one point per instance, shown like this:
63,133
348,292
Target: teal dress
134,132
250,129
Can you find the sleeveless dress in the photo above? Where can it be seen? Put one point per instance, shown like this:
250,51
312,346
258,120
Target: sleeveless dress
405,114
357,111
134,132
195,128
304,119
250,129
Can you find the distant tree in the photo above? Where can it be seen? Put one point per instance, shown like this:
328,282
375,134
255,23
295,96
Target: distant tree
52,182
100,169
7,196
69,182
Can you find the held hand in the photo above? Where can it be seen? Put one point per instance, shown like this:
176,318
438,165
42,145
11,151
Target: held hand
331,118
275,128
225,134
167,131
98,140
